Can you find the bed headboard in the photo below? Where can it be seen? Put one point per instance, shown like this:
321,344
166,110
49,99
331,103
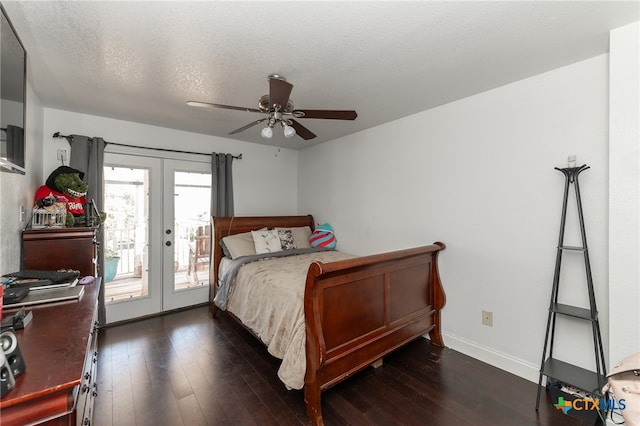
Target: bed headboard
230,225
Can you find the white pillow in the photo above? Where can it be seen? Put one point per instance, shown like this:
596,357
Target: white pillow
266,241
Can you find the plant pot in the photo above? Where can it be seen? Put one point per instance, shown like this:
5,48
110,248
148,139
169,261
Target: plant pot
110,268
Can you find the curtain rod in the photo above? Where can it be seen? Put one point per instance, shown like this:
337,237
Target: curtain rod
58,135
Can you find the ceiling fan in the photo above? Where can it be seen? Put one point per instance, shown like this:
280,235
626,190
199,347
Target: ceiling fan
279,108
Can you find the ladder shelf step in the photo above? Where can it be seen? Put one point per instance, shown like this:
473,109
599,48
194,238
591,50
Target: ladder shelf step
574,311
570,374
572,248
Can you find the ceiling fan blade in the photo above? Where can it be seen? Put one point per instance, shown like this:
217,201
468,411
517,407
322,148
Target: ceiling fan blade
210,105
279,91
243,128
325,113
302,131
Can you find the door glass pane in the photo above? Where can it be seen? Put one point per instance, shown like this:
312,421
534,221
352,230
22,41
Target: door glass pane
126,233
192,200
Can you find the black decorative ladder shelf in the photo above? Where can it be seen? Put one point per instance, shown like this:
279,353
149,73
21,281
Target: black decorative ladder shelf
551,367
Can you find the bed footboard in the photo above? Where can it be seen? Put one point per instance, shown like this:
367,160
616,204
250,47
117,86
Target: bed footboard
359,310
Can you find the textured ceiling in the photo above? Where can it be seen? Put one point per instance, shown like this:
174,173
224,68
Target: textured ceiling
141,61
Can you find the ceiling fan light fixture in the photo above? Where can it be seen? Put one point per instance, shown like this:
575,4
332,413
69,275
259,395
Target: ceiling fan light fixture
278,108
267,133
289,131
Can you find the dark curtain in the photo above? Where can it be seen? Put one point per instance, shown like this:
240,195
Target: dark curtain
87,155
221,185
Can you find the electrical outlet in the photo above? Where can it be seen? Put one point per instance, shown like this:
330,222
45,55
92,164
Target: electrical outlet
487,318
62,155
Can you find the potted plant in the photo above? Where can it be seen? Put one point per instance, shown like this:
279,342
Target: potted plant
111,258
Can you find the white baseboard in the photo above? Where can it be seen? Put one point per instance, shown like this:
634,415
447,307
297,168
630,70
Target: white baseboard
500,360
508,363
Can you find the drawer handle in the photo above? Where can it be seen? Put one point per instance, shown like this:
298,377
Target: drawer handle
95,390
85,388
86,421
87,376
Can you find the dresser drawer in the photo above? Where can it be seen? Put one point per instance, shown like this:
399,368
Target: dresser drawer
88,388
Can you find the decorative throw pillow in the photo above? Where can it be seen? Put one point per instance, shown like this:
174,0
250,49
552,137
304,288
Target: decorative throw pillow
266,241
300,234
323,236
286,239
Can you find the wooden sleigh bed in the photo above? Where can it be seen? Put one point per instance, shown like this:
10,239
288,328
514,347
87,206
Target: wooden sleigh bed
357,310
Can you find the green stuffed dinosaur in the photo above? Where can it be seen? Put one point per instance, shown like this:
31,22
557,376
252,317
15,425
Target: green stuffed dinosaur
66,185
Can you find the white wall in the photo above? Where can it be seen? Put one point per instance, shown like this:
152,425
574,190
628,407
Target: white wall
18,190
624,193
478,174
265,179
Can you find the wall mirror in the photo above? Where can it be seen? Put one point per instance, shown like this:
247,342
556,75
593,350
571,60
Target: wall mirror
13,87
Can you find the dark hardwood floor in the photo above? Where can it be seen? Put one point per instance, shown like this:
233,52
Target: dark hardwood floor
187,368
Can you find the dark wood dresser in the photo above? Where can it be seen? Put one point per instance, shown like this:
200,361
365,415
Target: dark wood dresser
59,347
60,248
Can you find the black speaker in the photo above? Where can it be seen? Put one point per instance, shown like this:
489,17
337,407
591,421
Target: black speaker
15,360
7,381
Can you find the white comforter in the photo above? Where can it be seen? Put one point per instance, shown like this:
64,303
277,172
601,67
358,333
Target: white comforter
268,296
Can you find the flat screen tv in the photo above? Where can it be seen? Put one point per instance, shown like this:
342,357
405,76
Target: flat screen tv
13,88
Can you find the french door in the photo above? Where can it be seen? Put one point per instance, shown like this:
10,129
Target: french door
157,234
